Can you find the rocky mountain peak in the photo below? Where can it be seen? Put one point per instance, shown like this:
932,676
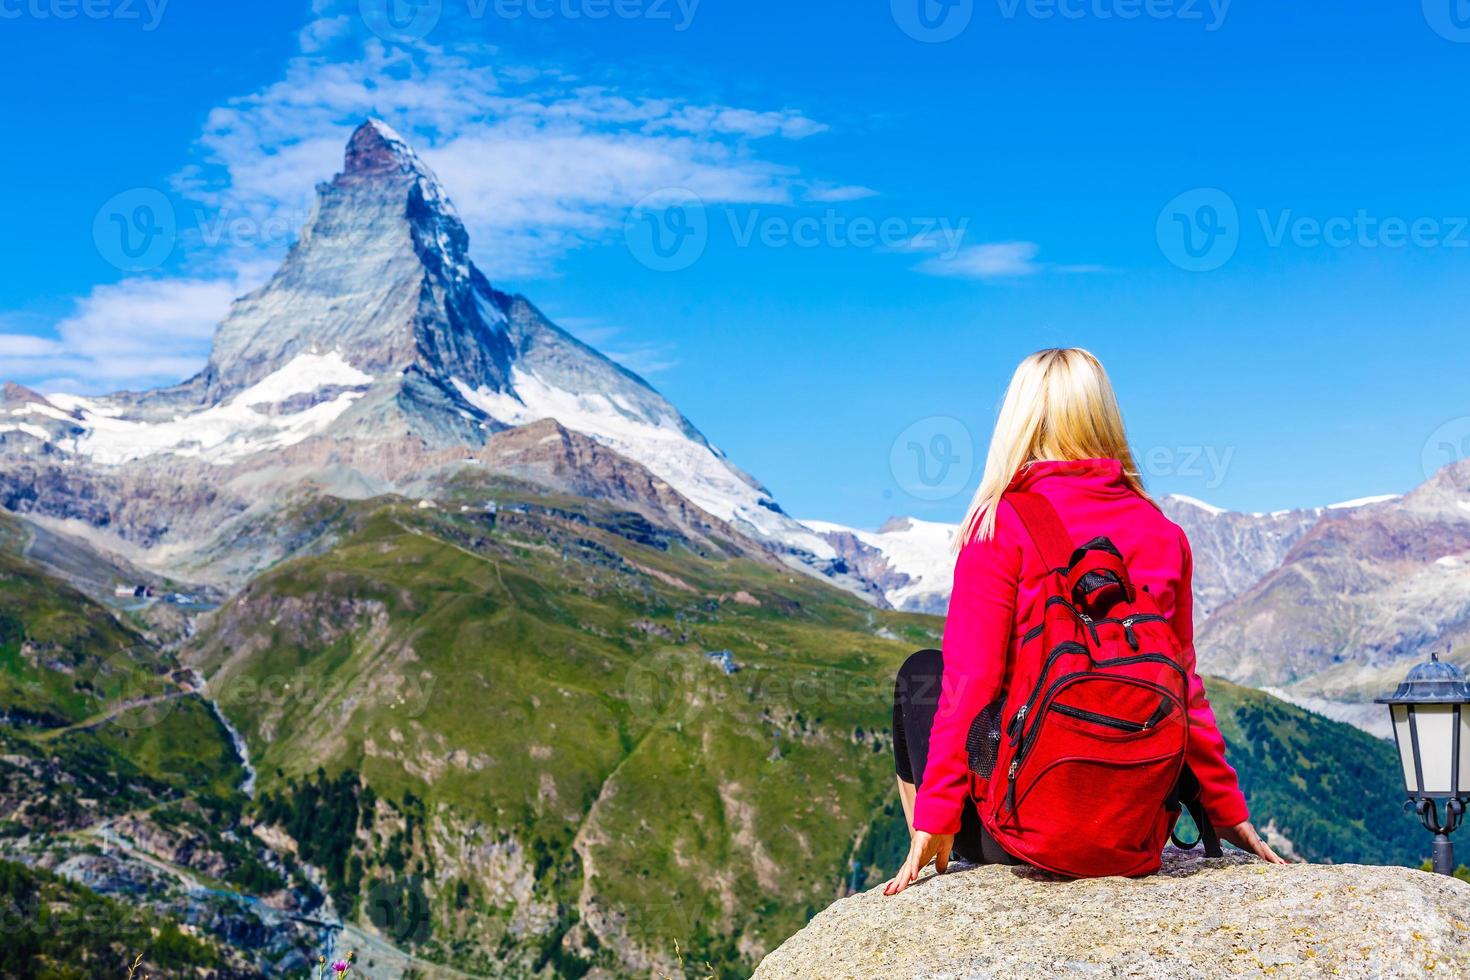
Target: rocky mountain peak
12,394
376,148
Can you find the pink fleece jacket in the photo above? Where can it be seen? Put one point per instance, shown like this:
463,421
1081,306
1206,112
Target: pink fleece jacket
997,596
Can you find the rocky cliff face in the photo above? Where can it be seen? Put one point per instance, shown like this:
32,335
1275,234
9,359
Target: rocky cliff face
1233,551
1366,592
1229,917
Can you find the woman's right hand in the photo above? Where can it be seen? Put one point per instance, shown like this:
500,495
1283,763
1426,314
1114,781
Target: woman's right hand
925,847
1243,835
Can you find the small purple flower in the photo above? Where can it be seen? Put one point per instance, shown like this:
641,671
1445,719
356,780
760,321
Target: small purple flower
340,967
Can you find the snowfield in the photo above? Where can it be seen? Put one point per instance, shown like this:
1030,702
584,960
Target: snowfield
658,443
226,432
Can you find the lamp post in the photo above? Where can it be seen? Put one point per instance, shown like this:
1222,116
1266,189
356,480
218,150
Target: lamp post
1431,726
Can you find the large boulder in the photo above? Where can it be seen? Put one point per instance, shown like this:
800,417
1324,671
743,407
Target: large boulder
1230,916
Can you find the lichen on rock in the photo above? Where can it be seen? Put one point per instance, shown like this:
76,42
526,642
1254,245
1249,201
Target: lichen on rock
1231,916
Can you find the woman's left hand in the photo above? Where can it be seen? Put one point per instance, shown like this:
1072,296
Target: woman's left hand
925,847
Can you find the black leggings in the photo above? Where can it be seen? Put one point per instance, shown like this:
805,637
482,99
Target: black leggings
915,703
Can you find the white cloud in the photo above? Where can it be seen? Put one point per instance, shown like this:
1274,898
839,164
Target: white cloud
133,333
537,164
996,260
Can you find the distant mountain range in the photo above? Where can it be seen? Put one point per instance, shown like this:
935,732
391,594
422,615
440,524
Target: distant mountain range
477,649
1326,606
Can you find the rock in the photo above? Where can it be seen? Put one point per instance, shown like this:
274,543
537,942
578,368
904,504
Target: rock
1231,916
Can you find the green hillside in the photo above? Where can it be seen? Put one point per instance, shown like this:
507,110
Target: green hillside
58,930
553,764
1334,791
506,745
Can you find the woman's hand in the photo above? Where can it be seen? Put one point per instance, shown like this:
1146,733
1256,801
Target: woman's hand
925,847
1244,836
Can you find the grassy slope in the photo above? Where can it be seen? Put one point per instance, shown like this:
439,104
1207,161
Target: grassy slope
541,686
1334,791
69,670
63,657
536,683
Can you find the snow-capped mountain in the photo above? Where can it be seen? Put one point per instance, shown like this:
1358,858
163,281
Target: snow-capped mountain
378,329
908,560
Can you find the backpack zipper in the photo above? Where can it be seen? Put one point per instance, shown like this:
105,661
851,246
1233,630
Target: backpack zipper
1165,708
1028,738
1013,729
1061,648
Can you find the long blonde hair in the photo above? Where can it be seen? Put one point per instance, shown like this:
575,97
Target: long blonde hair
1060,406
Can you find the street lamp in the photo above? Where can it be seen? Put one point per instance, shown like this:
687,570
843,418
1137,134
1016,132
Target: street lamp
1431,726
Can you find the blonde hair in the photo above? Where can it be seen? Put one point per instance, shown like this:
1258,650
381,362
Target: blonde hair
1060,406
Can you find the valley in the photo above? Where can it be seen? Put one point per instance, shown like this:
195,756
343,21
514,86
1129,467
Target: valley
488,663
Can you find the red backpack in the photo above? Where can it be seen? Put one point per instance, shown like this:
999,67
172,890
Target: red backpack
1079,769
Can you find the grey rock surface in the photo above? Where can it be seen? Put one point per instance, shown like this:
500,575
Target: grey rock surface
1227,917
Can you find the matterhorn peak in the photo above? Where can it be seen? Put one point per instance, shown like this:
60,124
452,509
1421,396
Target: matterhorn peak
376,148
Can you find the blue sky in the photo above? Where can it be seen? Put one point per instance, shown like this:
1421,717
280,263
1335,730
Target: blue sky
886,222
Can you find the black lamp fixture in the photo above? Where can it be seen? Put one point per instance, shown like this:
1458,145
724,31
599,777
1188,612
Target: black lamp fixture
1431,726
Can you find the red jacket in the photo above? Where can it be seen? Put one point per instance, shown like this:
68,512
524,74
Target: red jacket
998,594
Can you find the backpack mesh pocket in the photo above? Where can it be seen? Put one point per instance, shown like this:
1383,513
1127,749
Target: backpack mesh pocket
982,744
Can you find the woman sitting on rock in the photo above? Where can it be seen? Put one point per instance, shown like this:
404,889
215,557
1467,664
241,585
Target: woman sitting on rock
1064,724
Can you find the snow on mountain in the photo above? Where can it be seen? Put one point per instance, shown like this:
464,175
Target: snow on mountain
1232,550
1364,501
378,329
1210,509
297,401
908,559
660,442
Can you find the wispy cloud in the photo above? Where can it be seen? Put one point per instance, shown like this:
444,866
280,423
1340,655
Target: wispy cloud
538,163
996,260
127,334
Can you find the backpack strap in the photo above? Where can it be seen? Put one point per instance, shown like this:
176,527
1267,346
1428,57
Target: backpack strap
1186,795
1045,527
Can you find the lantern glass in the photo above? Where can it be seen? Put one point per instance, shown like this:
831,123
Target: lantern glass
1433,731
